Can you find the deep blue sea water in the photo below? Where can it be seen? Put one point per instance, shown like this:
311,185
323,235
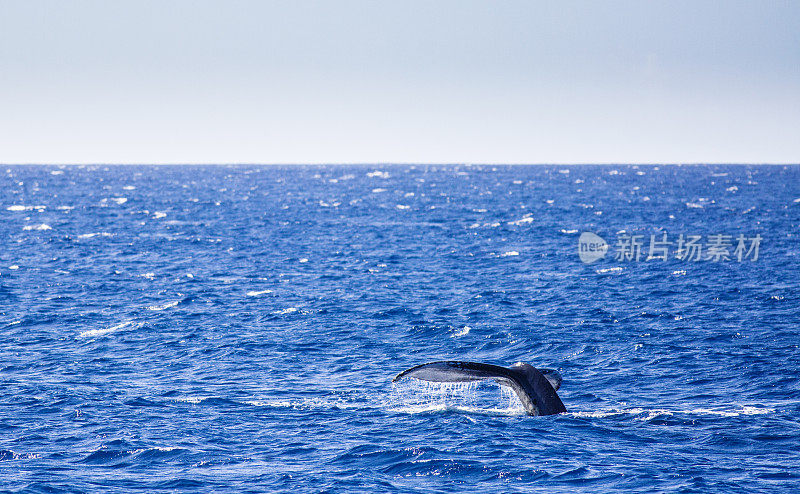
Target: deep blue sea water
236,328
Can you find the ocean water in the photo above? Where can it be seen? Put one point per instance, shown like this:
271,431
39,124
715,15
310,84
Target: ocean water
237,328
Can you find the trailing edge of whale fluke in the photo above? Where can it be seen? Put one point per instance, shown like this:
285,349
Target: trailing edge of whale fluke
536,388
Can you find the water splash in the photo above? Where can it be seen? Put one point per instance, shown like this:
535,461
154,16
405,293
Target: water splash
416,396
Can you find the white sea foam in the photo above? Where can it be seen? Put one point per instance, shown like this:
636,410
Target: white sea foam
528,218
462,332
92,333
40,227
645,414
165,306
306,403
744,410
609,270
288,310
257,293
19,207
92,235
191,399
378,174
510,253
270,403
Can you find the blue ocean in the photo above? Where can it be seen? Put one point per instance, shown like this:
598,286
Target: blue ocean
237,328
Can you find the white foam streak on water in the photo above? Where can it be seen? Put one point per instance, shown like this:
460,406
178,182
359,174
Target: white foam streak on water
256,293
103,331
271,403
525,219
194,400
297,404
463,332
306,404
92,235
426,397
165,306
645,414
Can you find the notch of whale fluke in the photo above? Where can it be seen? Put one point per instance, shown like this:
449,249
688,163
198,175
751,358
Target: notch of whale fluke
536,388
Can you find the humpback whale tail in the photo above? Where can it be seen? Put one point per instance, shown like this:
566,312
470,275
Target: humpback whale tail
536,388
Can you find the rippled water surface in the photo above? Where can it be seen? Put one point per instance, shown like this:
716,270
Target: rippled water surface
236,329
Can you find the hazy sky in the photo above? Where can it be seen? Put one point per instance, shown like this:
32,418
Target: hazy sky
399,81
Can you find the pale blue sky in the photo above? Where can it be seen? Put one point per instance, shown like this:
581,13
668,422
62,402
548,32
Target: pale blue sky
409,81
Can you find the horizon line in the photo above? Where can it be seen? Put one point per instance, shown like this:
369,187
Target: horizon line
400,163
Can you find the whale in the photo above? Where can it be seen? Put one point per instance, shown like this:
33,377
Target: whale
535,388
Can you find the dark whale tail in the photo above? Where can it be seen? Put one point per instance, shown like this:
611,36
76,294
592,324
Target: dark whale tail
536,388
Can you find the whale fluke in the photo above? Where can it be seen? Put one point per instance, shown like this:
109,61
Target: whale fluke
536,388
